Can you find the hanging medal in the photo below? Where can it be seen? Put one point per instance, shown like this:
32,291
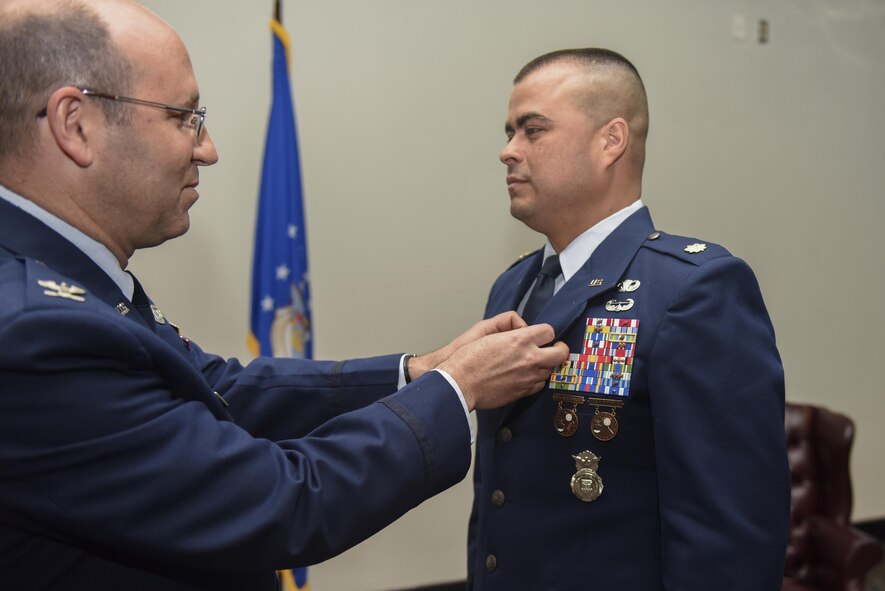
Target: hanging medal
604,424
565,421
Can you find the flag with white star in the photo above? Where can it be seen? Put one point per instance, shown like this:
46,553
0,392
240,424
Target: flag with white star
280,316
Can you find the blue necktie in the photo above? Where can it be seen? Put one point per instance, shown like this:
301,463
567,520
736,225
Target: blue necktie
543,290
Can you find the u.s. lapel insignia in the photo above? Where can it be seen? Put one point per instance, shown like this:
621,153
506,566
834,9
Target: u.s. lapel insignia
62,290
158,316
617,306
597,282
628,285
122,308
696,248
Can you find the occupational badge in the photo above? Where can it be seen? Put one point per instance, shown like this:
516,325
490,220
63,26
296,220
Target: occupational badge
619,306
586,483
629,285
158,316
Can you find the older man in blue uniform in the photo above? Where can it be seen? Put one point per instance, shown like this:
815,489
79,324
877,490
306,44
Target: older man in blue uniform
655,458
129,457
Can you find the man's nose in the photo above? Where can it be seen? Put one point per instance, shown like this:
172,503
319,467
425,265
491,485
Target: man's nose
205,153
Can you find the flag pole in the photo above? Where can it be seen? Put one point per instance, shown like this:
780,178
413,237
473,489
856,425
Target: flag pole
278,11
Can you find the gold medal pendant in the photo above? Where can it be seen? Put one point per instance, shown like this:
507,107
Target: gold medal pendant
565,421
604,425
586,483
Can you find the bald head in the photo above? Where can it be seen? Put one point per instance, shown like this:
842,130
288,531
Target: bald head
83,44
605,85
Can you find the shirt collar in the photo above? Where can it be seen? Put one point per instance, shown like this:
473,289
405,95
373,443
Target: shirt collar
98,252
573,256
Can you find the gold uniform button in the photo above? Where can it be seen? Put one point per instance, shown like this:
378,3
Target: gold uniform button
498,498
505,435
491,563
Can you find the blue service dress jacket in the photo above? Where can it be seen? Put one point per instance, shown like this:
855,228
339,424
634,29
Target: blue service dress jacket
131,459
688,486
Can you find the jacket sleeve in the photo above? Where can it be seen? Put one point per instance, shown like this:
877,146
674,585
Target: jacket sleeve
100,446
717,394
279,398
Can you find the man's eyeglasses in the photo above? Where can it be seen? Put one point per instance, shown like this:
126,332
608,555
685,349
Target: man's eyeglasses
195,120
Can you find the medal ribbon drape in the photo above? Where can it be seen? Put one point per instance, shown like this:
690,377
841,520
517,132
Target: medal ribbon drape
280,323
543,289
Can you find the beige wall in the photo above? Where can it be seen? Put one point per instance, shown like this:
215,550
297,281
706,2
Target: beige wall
777,151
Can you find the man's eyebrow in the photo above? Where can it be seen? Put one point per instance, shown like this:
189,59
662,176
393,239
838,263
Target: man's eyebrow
525,118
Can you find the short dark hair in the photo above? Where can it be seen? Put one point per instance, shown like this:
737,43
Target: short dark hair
41,52
588,56
627,98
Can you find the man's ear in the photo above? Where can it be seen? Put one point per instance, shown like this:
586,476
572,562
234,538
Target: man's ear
615,135
72,125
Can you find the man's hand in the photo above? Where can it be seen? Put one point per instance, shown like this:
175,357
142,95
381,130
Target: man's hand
503,322
496,369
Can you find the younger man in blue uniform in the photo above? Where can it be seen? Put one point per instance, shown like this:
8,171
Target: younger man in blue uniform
655,458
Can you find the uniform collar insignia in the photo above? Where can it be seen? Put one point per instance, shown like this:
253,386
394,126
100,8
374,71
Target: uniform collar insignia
62,290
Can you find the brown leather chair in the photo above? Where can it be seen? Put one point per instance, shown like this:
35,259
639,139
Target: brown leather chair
825,553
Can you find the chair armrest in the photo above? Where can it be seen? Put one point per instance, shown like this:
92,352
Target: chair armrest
844,548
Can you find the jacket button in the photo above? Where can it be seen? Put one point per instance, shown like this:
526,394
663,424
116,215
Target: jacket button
505,435
491,563
498,498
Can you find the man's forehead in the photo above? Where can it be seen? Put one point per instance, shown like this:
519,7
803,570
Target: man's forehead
553,88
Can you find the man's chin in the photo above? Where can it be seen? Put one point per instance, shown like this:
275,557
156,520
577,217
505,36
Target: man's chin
519,210
172,232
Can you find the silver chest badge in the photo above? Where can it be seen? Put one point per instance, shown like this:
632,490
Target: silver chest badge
586,483
629,285
619,306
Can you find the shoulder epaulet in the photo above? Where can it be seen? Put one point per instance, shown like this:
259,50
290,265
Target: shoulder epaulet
521,258
688,249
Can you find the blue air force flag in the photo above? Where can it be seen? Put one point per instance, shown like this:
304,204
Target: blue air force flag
280,316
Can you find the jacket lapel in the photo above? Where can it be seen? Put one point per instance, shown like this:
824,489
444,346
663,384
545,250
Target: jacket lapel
600,274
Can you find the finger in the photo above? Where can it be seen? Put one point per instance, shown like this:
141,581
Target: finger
539,334
554,355
507,321
562,348
516,321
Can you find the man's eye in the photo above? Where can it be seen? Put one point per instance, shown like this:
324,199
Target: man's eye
531,131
